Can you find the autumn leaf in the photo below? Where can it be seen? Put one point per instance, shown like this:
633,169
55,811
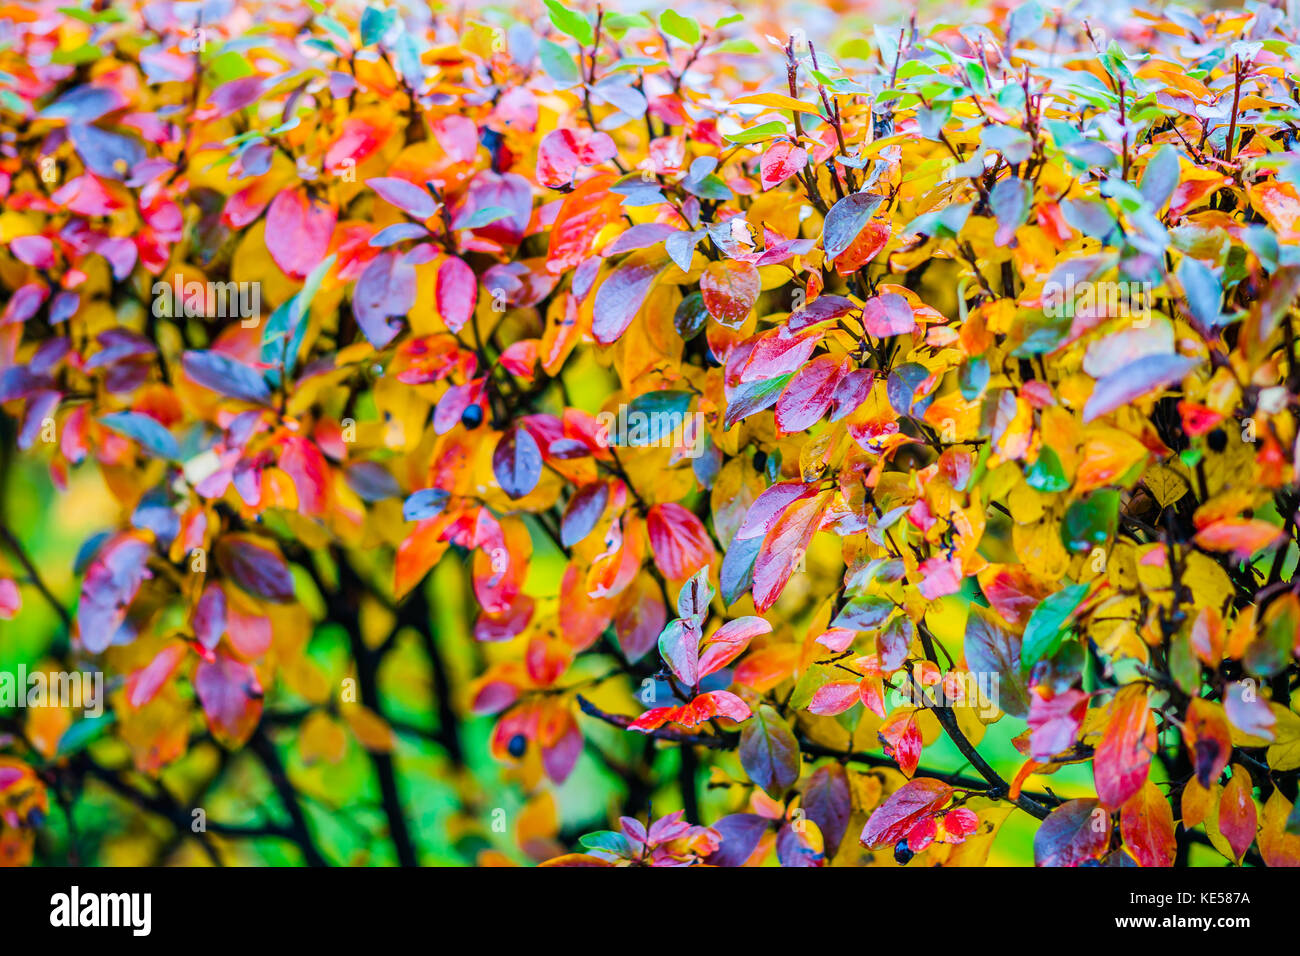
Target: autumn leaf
679,541
769,752
298,231
1146,823
1075,833
892,820
1124,755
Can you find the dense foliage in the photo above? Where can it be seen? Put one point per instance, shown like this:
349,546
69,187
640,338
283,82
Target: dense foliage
811,424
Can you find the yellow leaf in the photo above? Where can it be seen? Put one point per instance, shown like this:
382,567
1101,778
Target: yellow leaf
1284,754
371,729
776,101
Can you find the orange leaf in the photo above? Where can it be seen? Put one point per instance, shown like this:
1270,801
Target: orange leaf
1124,756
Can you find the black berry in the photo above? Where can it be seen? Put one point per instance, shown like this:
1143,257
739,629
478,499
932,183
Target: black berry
1218,439
472,416
518,743
902,852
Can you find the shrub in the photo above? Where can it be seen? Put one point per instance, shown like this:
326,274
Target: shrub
838,443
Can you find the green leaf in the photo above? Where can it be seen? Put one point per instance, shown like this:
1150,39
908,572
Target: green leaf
571,23
86,53
686,29
606,840
111,15
809,682
653,418
1046,474
753,397
1046,628
758,133
484,217
288,323
83,733
616,24
558,63
1090,522
375,23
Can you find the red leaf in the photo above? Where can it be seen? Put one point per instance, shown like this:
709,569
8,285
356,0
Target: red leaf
680,543
302,461
144,684
385,288
583,215
1123,757
457,293
901,739
808,396
718,703
562,151
249,634
298,231
413,200
1054,722
845,221
781,162
894,642
869,243
729,642
903,810
582,618
822,309
1014,593
10,600
774,353
1247,711
770,505
783,546
231,696
834,698
1238,819
888,314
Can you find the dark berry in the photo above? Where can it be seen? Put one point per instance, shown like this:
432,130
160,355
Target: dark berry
1218,439
760,461
518,744
472,416
902,853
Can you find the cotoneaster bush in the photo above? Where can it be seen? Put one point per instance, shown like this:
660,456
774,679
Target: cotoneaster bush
840,441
